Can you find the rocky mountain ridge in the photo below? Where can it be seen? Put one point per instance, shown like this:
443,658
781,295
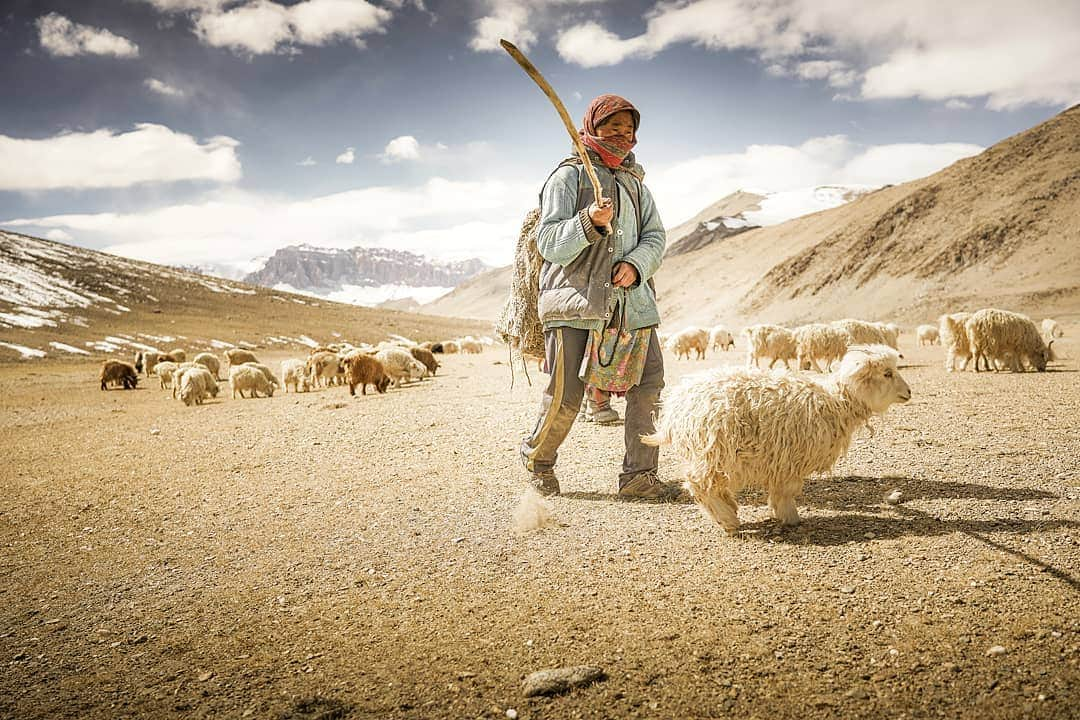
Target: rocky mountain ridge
314,269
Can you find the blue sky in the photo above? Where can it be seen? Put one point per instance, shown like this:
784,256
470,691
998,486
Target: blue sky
215,131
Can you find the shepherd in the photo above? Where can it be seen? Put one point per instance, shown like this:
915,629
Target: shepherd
596,298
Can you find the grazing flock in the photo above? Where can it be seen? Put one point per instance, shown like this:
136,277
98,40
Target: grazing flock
391,363
733,427
739,427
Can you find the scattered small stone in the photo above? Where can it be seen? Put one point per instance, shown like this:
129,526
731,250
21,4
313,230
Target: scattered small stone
559,680
847,589
511,713
155,431
857,694
869,535
995,650
203,677
458,539
893,498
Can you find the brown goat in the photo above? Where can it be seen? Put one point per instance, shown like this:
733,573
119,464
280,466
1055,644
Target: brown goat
236,356
176,355
115,371
425,357
362,370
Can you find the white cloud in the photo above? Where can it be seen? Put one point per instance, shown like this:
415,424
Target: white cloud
1010,53
508,21
404,147
347,157
955,104
260,27
163,88
307,162
437,218
519,21
105,159
683,189
186,5
59,235
63,38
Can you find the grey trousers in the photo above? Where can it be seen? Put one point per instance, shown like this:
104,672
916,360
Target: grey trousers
565,349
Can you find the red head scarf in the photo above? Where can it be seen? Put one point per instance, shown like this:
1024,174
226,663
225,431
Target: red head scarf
611,151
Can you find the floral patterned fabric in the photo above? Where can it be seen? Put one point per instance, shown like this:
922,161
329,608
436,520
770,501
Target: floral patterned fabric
615,358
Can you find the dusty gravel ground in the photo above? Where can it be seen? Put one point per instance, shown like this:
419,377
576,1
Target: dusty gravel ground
319,556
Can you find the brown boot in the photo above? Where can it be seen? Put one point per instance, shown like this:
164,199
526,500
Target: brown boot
545,482
647,486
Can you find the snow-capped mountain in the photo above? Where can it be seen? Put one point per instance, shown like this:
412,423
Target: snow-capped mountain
362,275
742,211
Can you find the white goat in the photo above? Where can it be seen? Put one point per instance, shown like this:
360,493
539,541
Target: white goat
735,427
1051,329
771,341
689,339
197,384
294,372
1006,336
721,339
819,341
400,365
953,337
210,362
928,335
251,379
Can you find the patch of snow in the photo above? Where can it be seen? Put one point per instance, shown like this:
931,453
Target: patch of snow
68,348
246,344
121,308
25,321
103,346
151,298
780,207
305,340
115,340
159,338
220,344
24,351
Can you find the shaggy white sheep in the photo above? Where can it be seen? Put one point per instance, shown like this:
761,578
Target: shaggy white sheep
891,332
771,341
1006,336
323,368
294,372
400,365
689,339
210,362
953,336
470,346
736,427
865,333
819,341
721,339
178,375
251,379
928,335
270,377
450,346
1051,329
197,384
165,371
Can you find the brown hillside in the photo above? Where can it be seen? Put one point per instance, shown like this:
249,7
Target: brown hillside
80,298
1001,228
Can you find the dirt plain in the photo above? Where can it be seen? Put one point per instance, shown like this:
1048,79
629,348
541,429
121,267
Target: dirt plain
321,556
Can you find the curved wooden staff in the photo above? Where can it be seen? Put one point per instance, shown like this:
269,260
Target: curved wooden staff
530,69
